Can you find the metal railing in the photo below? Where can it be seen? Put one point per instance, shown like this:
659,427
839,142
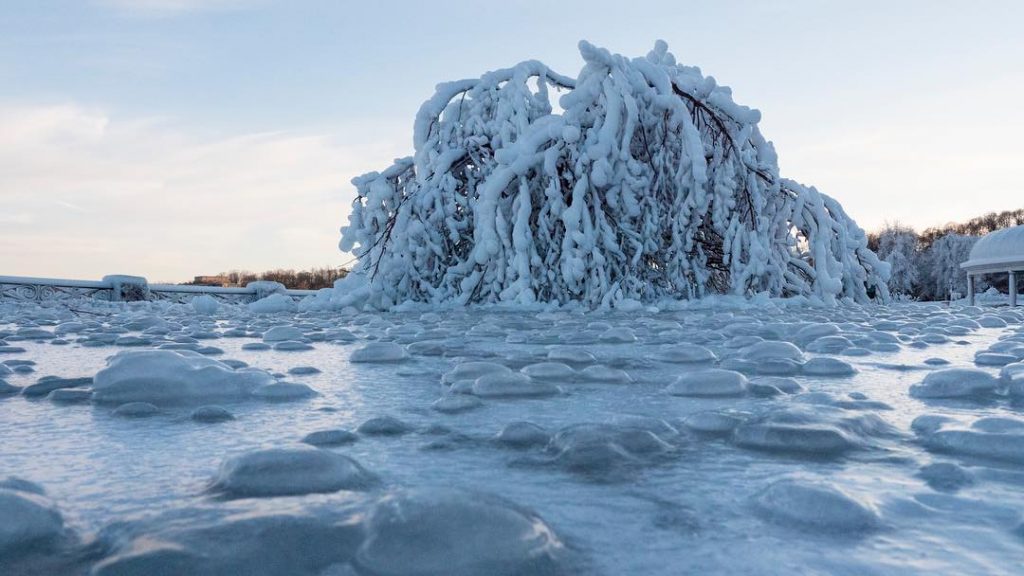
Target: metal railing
114,288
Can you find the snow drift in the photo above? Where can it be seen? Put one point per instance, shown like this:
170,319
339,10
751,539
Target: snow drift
650,183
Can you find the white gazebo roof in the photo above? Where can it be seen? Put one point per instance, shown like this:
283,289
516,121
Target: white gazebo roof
999,251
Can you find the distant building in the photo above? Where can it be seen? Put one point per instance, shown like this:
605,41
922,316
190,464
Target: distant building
211,281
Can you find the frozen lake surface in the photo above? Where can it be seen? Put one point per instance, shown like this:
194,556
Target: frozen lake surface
744,440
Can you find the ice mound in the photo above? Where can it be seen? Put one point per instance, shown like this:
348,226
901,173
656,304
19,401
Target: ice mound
715,421
456,403
772,350
283,391
946,476
605,375
48,384
993,359
816,506
384,426
955,383
609,451
522,435
824,366
292,346
253,543
570,355
289,471
379,352
470,371
428,533
273,304
818,430
211,414
282,333
69,396
205,304
685,354
549,371
711,382
512,385
988,438
337,437
7,389
28,521
173,377
136,410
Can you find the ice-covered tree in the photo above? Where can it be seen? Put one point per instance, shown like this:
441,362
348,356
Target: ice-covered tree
649,183
942,266
897,245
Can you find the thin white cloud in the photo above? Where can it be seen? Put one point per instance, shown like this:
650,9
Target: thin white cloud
173,7
86,193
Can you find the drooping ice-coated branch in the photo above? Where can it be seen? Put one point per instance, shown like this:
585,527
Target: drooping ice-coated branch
651,183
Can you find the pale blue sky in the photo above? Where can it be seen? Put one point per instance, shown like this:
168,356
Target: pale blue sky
170,138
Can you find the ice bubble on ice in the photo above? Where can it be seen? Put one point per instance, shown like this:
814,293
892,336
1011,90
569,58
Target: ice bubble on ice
379,352
522,435
512,385
211,414
456,533
549,371
289,471
825,366
605,375
136,410
686,354
709,383
336,437
936,362
282,333
816,506
955,383
384,426
456,403
27,520
170,377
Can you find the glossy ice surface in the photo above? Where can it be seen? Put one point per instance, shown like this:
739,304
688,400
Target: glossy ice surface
761,440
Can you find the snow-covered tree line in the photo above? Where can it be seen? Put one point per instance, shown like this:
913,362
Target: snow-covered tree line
649,183
923,267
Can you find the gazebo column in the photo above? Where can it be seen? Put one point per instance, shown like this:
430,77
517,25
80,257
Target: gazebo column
1013,288
970,289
